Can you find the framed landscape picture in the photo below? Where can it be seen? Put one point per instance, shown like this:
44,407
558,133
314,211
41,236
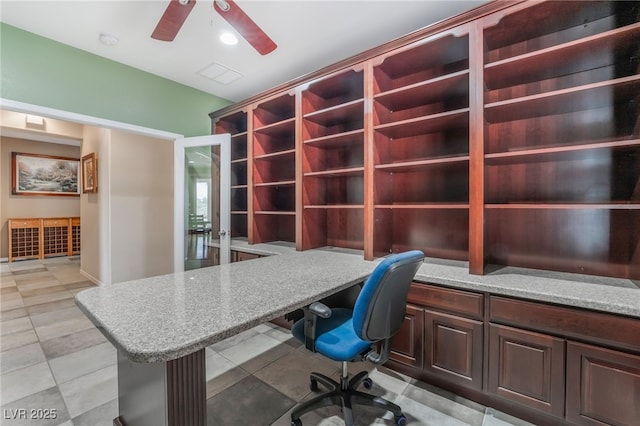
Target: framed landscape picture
33,174
89,173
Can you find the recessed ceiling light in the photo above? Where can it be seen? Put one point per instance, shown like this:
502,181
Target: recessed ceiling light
108,39
228,38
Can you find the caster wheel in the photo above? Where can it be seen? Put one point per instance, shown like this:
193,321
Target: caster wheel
313,385
296,422
401,420
367,383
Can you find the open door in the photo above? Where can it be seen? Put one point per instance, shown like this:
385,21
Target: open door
202,188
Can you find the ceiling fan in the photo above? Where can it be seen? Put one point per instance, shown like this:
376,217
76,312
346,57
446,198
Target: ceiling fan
178,10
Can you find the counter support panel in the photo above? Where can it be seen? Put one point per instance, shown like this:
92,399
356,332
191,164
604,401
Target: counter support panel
167,393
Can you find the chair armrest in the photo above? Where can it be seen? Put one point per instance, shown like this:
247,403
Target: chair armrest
311,314
320,309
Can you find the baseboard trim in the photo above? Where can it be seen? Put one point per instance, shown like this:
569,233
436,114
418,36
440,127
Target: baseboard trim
91,277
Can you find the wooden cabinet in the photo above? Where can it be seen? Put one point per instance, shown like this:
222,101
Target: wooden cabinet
527,368
274,167
446,326
241,256
25,239
236,125
333,162
545,363
39,238
421,148
603,386
453,348
562,141
407,345
528,364
509,135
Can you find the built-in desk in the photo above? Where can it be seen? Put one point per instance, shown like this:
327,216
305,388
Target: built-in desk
161,325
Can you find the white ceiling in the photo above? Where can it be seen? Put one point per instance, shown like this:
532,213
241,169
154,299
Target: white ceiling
310,35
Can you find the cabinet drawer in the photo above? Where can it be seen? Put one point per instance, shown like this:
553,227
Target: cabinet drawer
569,322
455,301
603,386
55,222
24,223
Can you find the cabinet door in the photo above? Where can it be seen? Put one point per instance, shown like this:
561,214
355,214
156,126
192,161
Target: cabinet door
406,345
603,386
527,368
453,348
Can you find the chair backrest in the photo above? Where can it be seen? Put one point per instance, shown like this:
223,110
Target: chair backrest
381,306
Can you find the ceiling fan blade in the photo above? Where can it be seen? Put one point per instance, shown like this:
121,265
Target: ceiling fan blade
172,20
246,27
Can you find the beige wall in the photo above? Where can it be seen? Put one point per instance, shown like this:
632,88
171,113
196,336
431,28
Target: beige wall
94,209
19,206
141,206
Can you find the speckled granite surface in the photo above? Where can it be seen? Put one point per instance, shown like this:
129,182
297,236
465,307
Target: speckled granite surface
165,317
169,316
599,293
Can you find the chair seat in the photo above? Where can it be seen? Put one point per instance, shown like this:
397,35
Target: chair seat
335,336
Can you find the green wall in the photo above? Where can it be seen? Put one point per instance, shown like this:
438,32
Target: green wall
43,72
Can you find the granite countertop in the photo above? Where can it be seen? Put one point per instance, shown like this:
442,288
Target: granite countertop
613,295
165,317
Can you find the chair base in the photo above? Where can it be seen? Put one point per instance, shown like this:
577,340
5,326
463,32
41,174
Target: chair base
344,394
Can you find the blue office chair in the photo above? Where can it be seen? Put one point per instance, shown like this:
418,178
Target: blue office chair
351,335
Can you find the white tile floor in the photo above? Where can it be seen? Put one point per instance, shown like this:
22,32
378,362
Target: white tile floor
53,358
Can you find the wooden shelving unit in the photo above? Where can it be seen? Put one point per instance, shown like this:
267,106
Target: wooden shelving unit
562,148
333,162
509,137
421,149
273,170
37,238
236,125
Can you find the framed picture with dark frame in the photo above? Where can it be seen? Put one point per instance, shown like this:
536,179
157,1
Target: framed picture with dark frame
89,173
35,174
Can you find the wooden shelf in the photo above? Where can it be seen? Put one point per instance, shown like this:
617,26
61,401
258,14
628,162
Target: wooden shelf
334,90
426,92
276,129
627,205
558,152
559,21
273,112
424,125
423,206
275,212
272,155
239,212
409,166
354,171
423,61
276,183
337,140
590,96
337,114
335,206
567,58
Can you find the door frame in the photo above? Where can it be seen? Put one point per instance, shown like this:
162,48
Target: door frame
179,196
105,230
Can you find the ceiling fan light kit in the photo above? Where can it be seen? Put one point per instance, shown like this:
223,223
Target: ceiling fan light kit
178,10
